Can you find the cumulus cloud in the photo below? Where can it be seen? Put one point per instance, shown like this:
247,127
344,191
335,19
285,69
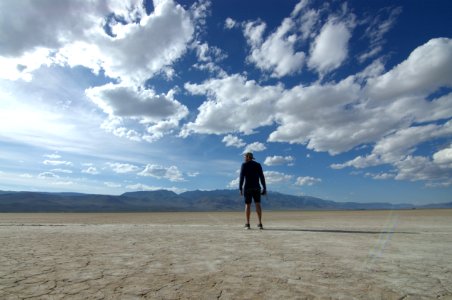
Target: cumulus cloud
52,156
171,173
233,141
119,101
333,117
427,68
398,150
443,158
278,160
339,116
307,180
380,176
209,57
126,101
145,187
254,147
123,168
397,146
273,177
90,170
99,36
275,54
235,105
53,24
234,184
62,171
48,175
334,35
323,116
112,184
57,162
229,23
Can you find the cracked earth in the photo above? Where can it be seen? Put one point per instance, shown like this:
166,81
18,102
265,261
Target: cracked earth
300,255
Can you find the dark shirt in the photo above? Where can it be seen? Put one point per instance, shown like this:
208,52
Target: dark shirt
251,172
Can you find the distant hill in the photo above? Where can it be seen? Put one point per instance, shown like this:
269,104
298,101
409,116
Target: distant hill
163,200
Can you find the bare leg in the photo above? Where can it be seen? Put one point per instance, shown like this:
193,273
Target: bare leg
259,212
247,212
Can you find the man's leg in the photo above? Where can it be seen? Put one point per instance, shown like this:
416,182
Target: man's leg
259,212
247,212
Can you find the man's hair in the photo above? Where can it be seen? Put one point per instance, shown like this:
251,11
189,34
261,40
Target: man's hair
250,155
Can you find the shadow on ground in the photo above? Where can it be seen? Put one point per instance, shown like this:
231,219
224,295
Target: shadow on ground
339,231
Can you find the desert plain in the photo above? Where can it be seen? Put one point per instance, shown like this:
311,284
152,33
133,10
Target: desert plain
299,255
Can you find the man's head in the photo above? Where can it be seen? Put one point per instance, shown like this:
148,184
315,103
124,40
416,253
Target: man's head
248,156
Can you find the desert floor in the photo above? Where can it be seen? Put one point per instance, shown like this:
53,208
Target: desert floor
299,255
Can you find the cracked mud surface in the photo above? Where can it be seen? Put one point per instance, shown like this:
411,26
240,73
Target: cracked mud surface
300,255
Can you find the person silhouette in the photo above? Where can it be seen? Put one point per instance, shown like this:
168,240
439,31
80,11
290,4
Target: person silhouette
250,174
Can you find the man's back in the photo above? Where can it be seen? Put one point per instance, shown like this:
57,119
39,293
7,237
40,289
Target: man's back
251,172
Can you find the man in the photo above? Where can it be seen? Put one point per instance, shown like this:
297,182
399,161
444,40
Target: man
250,173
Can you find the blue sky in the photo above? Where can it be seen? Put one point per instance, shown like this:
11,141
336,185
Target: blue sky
342,100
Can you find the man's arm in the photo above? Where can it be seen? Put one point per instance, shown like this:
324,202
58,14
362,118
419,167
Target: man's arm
242,179
262,178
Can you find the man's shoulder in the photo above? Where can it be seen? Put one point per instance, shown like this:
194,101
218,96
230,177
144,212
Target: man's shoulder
251,163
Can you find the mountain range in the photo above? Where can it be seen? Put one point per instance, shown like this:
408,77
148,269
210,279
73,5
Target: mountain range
163,200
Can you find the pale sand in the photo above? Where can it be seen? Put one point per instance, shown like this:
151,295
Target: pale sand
300,255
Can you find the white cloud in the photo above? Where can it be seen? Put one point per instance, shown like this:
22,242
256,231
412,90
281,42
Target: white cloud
112,184
278,160
309,20
234,184
171,173
416,168
380,176
307,180
144,187
90,170
379,25
229,23
73,32
156,41
299,7
443,158
235,105
53,24
339,116
120,102
209,57
25,175
427,68
233,141
319,116
273,177
123,168
67,182
48,175
52,156
254,147
57,162
398,149
275,54
126,101
334,35
397,146
66,171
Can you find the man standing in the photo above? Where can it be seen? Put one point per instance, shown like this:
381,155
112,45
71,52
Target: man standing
250,173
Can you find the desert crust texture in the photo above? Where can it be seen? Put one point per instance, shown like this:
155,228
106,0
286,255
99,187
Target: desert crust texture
299,255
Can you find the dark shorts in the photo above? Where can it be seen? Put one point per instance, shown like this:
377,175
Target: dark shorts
251,194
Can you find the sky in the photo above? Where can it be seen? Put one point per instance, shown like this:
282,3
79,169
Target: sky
341,100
